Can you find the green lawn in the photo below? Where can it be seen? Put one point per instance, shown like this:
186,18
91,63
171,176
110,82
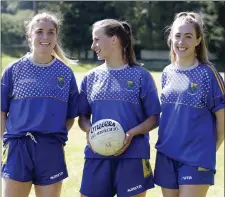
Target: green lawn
76,143
5,60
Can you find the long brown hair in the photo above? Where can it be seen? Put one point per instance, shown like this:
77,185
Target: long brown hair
57,51
197,22
123,31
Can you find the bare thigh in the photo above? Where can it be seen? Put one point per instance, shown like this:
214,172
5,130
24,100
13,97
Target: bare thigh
11,188
193,190
53,190
170,192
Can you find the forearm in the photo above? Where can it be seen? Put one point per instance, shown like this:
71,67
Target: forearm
69,123
84,123
146,126
220,128
3,122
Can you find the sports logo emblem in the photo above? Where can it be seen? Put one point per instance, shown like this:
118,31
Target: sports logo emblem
60,82
130,84
193,88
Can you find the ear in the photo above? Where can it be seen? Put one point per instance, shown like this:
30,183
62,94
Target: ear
114,39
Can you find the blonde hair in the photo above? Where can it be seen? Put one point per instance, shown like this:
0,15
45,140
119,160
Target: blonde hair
57,51
198,24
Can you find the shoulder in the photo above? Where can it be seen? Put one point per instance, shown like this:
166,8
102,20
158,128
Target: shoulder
15,64
63,66
210,70
97,70
168,68
138,69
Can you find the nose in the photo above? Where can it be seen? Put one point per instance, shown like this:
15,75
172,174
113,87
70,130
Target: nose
45,36
182,40
93,46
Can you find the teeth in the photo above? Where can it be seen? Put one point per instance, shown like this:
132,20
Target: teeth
45,43
181,49
98,51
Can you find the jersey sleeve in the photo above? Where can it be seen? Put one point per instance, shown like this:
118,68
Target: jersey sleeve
72,111
149,95
163,79
84,107
216,92
6,89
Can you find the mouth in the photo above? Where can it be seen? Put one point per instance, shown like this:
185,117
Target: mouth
44,43
98,51
181,49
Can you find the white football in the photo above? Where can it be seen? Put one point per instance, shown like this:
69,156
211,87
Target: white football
106,137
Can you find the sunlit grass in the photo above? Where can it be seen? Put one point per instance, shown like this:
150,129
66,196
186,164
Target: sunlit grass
74,150
80,67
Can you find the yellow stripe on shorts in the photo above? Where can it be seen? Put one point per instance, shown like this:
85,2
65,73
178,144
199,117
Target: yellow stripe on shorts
64,153
203,169
147,170
5,153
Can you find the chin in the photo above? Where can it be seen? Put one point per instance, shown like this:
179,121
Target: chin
100,58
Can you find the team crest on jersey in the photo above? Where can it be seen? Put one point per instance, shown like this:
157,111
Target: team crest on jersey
60,81
193,88
130,84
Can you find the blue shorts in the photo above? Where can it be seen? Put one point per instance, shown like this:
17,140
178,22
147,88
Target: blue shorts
170,173
124,177
40,160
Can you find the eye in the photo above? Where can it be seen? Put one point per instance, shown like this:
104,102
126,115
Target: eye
188,37
177,36
38,32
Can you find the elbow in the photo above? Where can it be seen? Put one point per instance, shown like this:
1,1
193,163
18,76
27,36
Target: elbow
157,118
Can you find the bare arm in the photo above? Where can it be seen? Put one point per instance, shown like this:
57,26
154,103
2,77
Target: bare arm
3,121
84,123
146,126
69,123
220,128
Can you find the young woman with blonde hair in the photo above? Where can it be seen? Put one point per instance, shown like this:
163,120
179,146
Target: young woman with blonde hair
38,106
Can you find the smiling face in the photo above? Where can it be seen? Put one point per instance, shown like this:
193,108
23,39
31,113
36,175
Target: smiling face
43,37
102,44
184,40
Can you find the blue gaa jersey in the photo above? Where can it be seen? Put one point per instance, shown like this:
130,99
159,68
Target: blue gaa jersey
127,95
190,98
38,98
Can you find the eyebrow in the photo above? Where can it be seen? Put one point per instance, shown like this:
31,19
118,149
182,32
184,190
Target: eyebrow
185,34
43,29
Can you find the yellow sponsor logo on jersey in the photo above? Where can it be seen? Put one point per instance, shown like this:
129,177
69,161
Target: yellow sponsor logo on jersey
147,170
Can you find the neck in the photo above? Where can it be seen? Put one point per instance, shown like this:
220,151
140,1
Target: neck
185,62
115,60
41,58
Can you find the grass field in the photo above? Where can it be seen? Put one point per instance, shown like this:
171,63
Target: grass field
77,141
